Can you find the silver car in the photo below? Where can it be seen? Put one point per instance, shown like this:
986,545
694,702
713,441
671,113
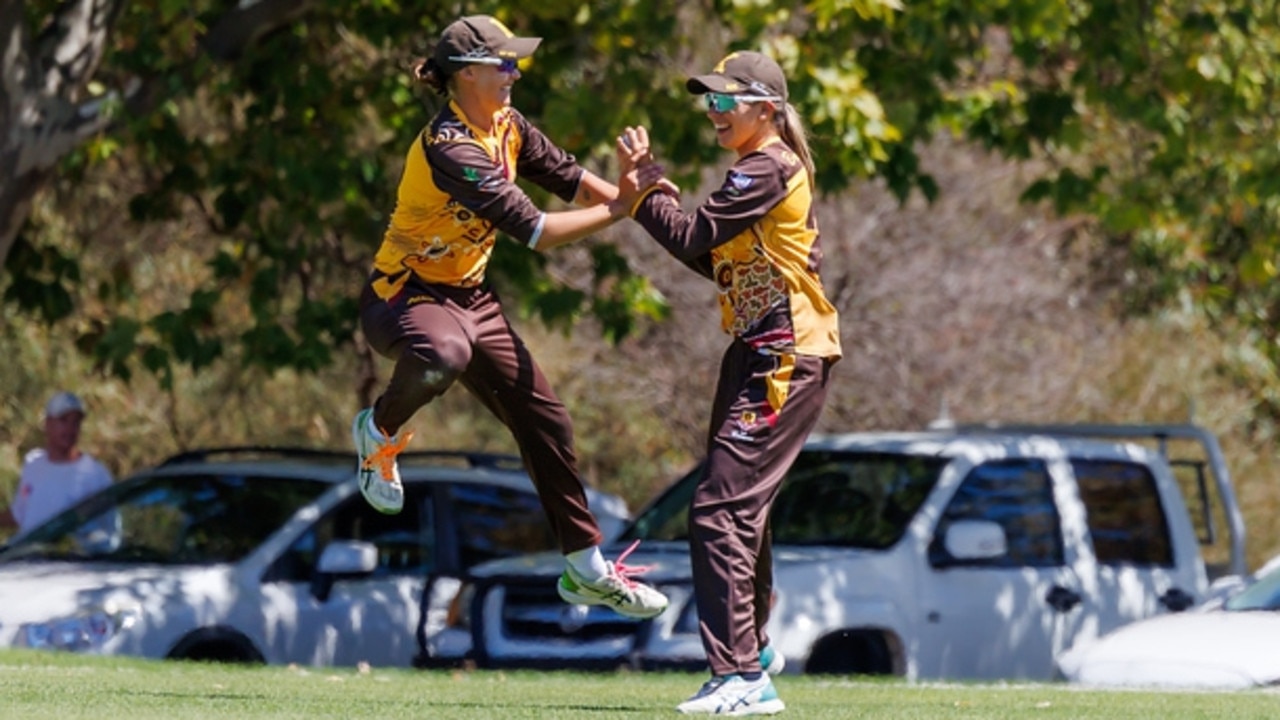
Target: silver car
269,555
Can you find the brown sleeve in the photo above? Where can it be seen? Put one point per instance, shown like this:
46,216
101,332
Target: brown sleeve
464,171
751,188
544,163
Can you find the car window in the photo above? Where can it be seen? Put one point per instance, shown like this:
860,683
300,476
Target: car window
1263,594
847,499
495,522
1017,495
188,519
405,540
667,518
1126,520
852,500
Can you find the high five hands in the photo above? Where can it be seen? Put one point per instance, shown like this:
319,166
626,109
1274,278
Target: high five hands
637,169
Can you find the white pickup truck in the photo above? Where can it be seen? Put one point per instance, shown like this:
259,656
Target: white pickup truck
967,553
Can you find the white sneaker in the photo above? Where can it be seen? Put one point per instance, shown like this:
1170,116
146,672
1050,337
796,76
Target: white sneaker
735,696
379,476
616,589
771,661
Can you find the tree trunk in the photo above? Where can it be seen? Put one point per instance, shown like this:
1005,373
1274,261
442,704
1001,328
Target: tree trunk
42,81
44,114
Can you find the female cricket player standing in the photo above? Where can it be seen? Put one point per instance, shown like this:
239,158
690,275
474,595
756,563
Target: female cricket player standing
756,237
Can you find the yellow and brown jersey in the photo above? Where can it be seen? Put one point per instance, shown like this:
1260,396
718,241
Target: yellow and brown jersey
458,188
756,237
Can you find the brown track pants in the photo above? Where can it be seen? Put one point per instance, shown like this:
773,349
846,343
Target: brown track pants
439,334
764,409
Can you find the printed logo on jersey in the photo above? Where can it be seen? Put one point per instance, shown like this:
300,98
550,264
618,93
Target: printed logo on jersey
737,183
471,175
724,275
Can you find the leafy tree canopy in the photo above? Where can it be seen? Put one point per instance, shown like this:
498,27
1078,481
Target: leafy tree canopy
269,133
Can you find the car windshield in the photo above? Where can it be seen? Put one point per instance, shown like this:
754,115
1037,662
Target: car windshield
831,498
172,520
1264,594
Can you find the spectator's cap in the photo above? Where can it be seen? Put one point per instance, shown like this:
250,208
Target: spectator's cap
480,39
61,404
742,73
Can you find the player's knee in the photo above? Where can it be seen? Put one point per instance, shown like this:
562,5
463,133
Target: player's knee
438,367
436,378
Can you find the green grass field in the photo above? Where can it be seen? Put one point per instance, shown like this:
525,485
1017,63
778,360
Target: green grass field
46,685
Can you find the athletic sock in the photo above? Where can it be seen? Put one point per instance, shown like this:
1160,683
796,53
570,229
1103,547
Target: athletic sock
589,563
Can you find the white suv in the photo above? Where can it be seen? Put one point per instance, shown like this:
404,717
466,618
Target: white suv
271,555
926,555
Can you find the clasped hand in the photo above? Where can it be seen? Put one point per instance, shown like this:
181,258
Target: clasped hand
637,169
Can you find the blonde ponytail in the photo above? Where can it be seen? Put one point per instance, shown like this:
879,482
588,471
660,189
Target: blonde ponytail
791,130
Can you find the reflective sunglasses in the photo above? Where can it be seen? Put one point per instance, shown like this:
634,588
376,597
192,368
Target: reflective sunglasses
505,65
722,103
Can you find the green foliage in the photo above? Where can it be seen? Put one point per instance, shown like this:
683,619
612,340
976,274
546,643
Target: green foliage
1155,119
1179,160
46,273
621,295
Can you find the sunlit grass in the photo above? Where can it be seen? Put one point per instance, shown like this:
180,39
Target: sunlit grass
47,685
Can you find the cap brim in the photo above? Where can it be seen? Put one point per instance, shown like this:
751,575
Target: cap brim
522,47
699,84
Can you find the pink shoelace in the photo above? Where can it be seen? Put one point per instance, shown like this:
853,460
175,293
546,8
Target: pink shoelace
625,572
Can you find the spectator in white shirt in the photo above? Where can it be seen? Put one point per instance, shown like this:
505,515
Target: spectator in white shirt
59,474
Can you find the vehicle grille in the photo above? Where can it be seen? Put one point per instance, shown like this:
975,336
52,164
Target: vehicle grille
536,613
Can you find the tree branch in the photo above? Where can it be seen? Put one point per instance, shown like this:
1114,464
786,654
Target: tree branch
246,24
42,83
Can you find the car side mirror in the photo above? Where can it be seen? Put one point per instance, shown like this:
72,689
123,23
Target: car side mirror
975,540
348,557
342,557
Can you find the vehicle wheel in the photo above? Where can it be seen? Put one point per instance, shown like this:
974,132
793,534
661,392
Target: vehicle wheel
216,645
851,652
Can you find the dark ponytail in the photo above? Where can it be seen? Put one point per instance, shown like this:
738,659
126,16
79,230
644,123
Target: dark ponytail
427,72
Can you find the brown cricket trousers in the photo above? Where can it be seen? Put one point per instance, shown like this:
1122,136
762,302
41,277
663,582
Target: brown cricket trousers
764,409
440,334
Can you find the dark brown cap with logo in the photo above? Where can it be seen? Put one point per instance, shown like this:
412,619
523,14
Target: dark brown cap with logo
478,37
742,73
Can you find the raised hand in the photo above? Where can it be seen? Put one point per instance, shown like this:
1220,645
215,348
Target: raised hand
633,148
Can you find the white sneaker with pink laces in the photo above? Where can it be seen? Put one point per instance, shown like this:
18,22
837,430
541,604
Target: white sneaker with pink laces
617,589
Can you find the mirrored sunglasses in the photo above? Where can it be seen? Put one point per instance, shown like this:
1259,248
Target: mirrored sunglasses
722,103
504,65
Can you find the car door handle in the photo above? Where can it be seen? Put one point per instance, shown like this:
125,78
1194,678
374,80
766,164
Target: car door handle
1177,600
1062,599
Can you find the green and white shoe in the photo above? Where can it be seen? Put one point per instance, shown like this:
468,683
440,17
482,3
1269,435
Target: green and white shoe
617,589
379,475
